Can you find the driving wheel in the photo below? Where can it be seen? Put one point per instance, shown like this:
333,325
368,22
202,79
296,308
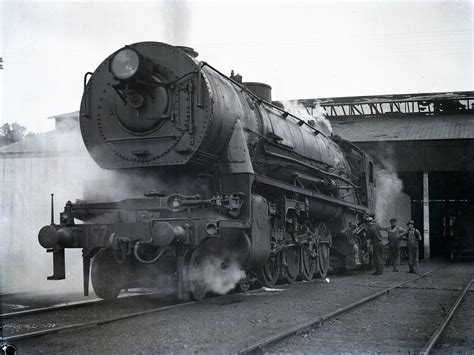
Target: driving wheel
324,238
309,265
270,271
195,274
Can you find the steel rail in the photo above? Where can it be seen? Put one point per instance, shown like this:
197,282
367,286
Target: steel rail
91,323
61,306
274,338
434,338
31,311
95,323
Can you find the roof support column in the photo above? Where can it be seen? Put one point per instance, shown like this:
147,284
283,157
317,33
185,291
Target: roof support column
426,216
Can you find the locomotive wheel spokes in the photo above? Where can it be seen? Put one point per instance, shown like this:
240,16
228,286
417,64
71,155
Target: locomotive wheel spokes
292,258
195,274
270,271
323,259
106,275
309,265
324,237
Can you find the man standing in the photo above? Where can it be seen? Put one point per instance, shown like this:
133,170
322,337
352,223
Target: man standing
373,233
395,233
413,237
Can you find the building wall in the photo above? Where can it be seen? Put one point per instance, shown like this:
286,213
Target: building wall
26,184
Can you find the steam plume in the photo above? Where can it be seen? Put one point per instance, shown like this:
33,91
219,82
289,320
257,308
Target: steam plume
389,189
176,17
218,275
55,162
319,115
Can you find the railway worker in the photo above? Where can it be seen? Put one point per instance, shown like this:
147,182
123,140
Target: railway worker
373,233
413,237
395,233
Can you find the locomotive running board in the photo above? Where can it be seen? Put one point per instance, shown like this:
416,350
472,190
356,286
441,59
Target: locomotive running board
283,185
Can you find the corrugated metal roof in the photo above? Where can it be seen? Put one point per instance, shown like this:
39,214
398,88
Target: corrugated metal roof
402,129
433,96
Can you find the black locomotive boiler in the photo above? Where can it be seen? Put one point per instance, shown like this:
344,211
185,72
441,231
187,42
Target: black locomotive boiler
238,179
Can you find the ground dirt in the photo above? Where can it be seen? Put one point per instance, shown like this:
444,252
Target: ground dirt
400,321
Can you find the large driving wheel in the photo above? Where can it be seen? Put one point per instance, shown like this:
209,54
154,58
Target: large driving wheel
292,258
309,265
324,238
195,274
107,275
270,271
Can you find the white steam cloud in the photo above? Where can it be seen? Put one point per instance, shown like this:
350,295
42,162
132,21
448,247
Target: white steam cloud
218,275
176,18
388,190
55,162
318,115
47,163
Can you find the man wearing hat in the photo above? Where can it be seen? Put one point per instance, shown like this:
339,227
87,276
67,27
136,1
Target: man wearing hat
413,237
395,233
373,233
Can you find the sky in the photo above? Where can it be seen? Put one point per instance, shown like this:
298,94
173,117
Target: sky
304,49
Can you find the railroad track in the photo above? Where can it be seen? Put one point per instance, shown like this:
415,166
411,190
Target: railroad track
67,305
90,324
48,309
437,334
258,346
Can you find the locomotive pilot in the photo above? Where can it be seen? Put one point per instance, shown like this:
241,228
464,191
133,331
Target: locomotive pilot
395,233
373,233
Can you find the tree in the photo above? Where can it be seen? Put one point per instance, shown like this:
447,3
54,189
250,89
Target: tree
12,132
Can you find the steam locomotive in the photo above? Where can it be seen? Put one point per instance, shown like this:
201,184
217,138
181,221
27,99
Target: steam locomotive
236,179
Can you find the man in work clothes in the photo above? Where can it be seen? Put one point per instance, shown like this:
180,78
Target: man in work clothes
413,237
373,233
395,233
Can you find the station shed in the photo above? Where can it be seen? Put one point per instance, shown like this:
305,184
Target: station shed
428,141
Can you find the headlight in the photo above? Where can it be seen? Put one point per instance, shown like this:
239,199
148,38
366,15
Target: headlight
125,64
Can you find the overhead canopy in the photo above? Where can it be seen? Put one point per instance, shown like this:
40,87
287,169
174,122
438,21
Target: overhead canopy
405,129
412,132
